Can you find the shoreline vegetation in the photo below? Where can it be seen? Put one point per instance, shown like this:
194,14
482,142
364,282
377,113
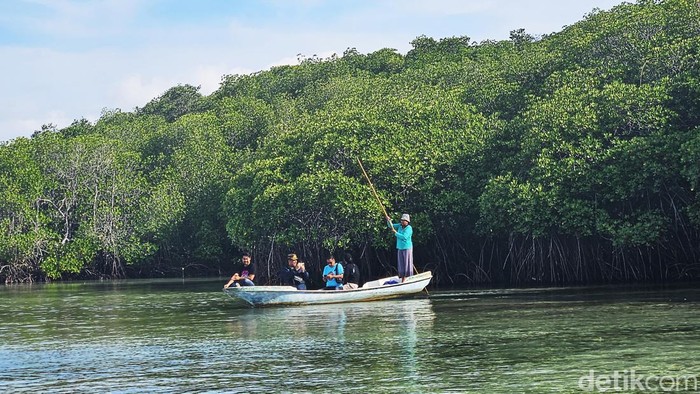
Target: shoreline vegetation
569,158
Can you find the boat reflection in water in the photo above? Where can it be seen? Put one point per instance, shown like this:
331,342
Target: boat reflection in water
382,337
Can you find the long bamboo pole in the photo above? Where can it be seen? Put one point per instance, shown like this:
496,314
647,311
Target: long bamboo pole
380,202
372,187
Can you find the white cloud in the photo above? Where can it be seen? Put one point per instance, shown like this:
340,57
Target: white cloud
209,77
29,125
82,19
439,7
136,90
97,55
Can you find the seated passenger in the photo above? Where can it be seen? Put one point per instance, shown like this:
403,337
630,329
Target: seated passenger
333,274
294,274
245,273
351,277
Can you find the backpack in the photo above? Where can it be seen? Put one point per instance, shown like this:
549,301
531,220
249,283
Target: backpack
350,270
336,272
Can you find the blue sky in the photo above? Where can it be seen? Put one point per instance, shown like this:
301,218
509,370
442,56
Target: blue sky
68,59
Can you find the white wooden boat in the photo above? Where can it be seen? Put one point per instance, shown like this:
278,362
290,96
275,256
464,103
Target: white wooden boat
379,289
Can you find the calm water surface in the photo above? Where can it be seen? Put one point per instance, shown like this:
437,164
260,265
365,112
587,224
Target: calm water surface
175,336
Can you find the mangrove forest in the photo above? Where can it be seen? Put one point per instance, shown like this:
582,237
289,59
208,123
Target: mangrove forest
571,157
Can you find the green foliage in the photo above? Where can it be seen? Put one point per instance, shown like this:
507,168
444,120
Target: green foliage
245,120
508,205
428,50
175,102
384,61
199,173
23,231
71,257
690,159
568,157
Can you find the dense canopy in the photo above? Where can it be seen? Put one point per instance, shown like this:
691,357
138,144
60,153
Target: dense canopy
567,158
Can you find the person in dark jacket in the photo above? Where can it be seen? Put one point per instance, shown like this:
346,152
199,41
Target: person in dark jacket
351,278
294,274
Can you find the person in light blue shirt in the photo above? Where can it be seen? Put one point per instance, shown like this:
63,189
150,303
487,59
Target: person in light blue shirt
404,245
333,274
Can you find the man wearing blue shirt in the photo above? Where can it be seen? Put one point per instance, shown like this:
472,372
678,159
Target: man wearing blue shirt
333,274
404,245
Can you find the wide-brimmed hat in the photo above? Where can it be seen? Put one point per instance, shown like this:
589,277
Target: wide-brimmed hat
406,217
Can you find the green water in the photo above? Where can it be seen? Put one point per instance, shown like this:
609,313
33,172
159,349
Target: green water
174,336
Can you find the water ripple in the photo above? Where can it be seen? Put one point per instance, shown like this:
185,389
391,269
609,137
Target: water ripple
169,336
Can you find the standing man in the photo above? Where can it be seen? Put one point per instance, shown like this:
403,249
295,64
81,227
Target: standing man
404,245
245,273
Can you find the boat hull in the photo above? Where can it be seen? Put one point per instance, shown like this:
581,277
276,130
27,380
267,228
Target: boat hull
255,296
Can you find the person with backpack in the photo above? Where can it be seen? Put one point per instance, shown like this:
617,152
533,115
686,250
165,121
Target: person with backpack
351,276
333,274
